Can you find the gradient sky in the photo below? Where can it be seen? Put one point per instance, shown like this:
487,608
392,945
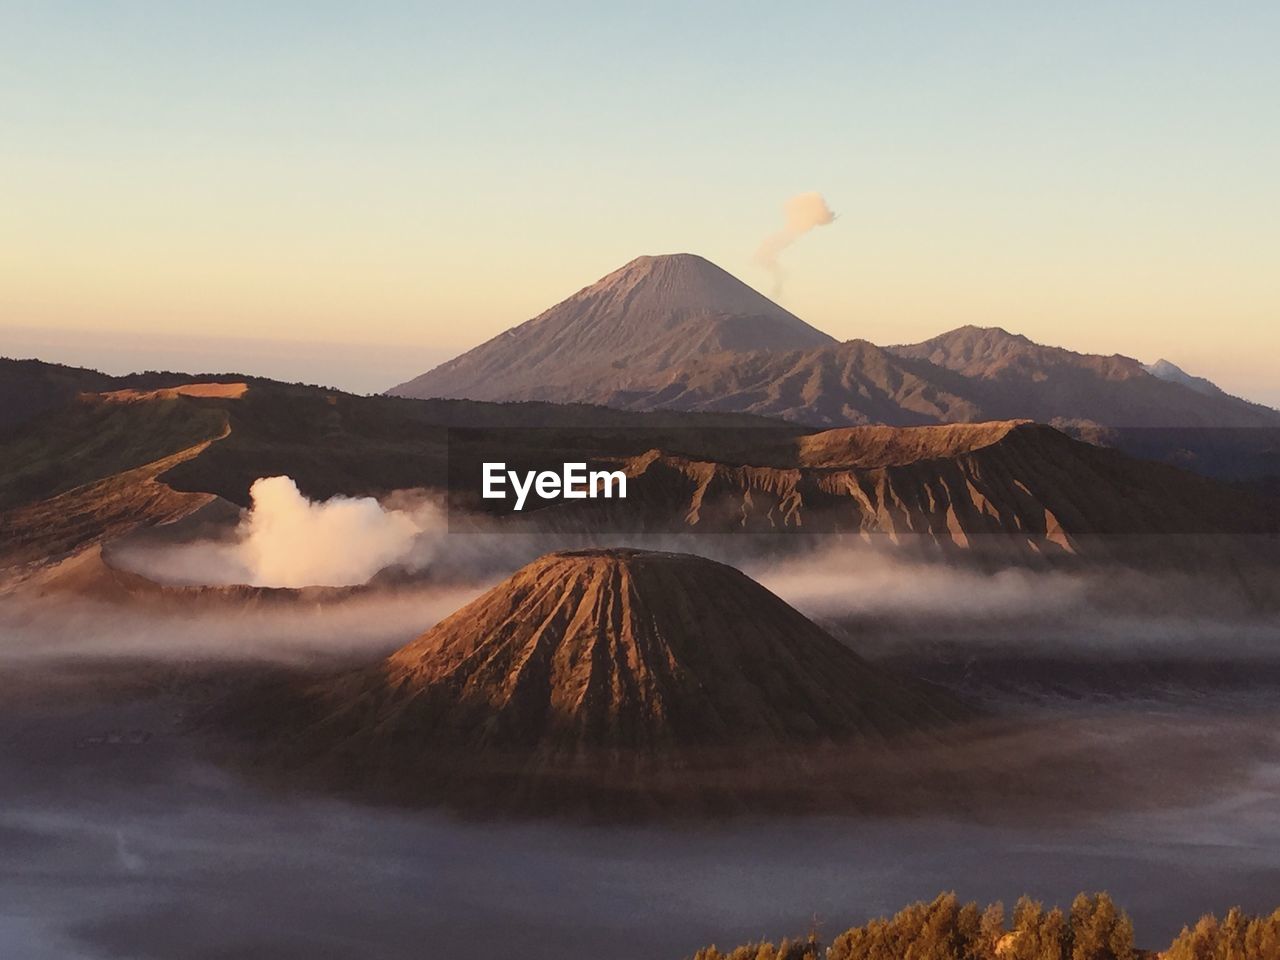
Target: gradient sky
226,180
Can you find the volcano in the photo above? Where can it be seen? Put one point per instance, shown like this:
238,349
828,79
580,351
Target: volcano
654,313
608,655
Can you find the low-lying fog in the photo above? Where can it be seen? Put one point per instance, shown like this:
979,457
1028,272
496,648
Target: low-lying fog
118,839
101,862
871,595
363,626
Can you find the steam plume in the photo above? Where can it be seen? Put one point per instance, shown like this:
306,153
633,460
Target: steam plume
286,540
291,541
802,213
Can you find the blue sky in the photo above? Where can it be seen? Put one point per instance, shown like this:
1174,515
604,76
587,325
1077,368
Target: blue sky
421,176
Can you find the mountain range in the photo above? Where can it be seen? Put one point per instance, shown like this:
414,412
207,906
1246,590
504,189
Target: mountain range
103,464
677,332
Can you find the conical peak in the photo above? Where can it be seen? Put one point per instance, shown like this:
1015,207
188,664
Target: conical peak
638,322
650,579
688,267
682,284
686,260
618,553
610,654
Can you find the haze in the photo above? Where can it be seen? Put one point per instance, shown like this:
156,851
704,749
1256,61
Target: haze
1094,177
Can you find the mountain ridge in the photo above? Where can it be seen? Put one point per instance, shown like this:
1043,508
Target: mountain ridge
100,468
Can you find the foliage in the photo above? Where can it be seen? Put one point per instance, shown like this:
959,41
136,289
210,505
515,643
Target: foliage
787,950
946,929
1237,936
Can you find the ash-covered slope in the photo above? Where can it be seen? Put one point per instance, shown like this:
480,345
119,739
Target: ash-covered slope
617,334
615,653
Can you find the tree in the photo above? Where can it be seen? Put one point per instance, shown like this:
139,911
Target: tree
1198,943
1237,936
991,931
1094,929
1099,929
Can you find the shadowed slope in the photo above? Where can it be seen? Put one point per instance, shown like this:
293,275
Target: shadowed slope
97,512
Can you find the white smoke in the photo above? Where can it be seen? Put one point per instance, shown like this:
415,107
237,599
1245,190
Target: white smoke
802,213
286,540
291,541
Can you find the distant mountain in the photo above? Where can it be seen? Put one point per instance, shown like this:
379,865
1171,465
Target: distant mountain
966,376
678,333
1011,376
619,334
1175,374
